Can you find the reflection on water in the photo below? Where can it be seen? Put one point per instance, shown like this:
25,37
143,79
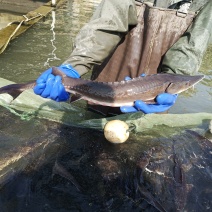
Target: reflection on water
54,48
144,174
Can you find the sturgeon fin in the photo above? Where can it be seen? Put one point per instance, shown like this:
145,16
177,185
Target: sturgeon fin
60,170
16,89
57,72
75,97
13,90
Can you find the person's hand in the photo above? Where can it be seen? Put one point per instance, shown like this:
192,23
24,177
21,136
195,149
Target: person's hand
164,101
50,86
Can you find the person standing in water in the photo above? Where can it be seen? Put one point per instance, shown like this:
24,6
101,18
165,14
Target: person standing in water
127,38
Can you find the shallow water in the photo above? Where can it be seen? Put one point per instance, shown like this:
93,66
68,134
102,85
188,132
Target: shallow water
148,170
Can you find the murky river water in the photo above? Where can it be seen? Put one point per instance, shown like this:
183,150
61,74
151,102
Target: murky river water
113,178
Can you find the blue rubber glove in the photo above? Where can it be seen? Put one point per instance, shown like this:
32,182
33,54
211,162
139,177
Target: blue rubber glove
50,86
164,101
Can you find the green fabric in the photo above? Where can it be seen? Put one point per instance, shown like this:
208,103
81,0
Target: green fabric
186,55
101,35
197,5
28,105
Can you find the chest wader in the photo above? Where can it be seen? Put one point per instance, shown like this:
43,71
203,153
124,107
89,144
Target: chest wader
142,49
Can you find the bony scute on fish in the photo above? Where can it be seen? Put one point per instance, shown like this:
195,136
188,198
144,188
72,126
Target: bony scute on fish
116,131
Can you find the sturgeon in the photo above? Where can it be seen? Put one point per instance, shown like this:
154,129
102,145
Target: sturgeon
116,94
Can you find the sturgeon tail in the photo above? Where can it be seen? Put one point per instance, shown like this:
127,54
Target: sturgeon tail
16,89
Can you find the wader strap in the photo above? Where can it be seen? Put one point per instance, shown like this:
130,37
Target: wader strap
141,50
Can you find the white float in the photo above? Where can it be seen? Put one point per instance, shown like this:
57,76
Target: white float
116,131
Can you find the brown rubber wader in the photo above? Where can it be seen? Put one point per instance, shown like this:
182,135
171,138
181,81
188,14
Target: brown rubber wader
142,49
